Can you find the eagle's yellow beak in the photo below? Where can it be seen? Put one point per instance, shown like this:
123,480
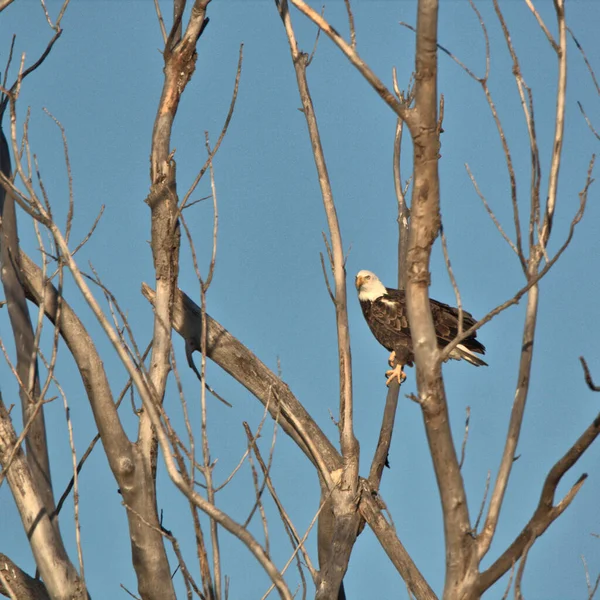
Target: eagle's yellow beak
358,281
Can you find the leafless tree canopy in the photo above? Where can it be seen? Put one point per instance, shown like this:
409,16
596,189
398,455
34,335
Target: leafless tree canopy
36,301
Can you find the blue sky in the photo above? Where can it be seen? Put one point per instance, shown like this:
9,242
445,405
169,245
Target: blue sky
103,81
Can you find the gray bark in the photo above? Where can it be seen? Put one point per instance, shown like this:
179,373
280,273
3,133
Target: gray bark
27,368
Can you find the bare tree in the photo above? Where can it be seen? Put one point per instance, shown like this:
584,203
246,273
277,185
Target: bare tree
348,502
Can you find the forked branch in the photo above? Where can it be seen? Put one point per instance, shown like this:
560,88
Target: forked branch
547,511
398,107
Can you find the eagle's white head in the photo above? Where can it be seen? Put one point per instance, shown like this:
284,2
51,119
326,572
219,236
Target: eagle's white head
369,287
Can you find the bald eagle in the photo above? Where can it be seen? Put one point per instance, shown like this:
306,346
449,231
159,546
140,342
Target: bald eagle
386,314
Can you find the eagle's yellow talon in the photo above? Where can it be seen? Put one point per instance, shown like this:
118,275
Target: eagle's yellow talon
395,373
392,358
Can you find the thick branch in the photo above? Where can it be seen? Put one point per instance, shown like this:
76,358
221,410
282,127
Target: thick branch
461,567
180,62
234,358
27,367
57,571
89,364
5,3
126,464
22,585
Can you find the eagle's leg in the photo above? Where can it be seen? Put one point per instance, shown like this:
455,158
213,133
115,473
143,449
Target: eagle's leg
392,358
397,373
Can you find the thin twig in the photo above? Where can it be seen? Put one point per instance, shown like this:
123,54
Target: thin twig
587,62
444,50
521,570
300,543
288,523
90,232
76,518
542,25
592,589
245,455
128,592
160,21
587,120
351,24
533,280
224,129
9,59
509,584
211,269
483,500
353,57
258,503
452,278
490,211
70,211
465,438
326,277
588,376
315,45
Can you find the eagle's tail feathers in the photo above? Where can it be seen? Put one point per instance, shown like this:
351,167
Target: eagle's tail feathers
470,356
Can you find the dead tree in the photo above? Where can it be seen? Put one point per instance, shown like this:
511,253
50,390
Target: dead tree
348,501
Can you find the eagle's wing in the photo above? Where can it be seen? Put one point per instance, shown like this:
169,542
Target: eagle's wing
391,309
445,320
388,319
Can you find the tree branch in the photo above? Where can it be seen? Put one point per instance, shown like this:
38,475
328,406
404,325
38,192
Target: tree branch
180,57
380,458
546,512
588,376
5,3
400,109
24,586
125,463
234,358
57,571
424,228
537,251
